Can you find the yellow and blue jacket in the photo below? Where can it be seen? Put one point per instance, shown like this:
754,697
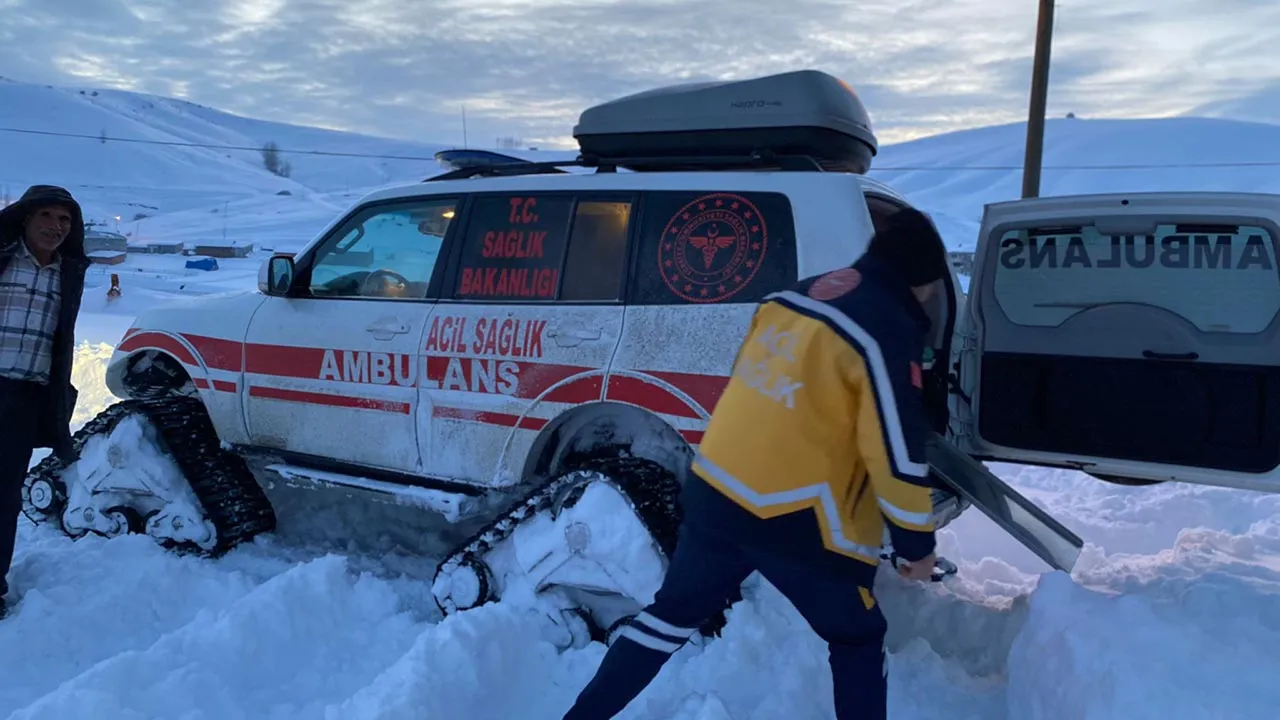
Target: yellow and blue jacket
819,437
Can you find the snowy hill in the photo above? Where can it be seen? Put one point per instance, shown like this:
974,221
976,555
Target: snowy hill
179,187
1262,105
206,159
954,174
1173,610
125,115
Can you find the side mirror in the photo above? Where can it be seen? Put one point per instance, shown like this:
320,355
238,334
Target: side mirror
275,277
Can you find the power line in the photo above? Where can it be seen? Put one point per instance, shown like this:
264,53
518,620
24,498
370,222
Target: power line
176,143
891,168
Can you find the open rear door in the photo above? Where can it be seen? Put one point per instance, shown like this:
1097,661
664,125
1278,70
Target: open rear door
1135,337
1039,532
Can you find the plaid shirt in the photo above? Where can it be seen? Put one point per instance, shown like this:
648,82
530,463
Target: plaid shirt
29,299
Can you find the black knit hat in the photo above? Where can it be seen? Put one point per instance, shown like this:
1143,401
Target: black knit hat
911,244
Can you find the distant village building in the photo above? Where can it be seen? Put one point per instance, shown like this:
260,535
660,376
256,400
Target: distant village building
230,249
158,247
96,239
107,257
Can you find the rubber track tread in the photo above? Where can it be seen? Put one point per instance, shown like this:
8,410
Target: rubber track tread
228,493
650,489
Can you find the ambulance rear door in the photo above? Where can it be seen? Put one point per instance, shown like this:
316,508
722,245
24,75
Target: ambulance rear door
1136,337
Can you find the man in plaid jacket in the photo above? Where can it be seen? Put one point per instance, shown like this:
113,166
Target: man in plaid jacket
42,268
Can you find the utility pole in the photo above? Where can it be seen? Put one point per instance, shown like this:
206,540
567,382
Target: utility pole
1039,98
464,126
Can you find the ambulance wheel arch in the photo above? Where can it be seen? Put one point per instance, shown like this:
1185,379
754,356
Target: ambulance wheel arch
606,429
150,372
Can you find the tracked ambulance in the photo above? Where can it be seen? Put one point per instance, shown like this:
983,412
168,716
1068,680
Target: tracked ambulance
517,360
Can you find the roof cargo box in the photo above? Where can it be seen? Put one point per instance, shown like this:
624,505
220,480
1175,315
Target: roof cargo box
806,113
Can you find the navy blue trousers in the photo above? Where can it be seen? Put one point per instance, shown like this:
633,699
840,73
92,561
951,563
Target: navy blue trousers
703,574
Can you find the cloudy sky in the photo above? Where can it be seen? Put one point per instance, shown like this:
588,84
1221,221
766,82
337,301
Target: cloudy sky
406,68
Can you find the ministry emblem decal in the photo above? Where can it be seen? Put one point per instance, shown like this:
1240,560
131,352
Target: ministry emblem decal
712,248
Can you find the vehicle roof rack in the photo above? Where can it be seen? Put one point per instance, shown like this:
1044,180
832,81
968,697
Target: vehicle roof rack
759,160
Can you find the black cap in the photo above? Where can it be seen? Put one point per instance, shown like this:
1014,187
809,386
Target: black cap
910,243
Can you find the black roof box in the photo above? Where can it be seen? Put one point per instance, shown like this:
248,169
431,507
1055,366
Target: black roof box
805,113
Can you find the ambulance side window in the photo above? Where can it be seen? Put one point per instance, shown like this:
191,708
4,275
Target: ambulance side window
514,248
597,261
386,251
713,247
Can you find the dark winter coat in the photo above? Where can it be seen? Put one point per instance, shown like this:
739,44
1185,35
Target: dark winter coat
54,420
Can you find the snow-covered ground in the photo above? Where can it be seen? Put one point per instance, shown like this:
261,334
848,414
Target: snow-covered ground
1173,610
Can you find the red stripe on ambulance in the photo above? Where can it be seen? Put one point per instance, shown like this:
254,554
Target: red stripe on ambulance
285,361
147,340
315,398
219,385
490,418
515,373
218,354
583,390
647,394
704,389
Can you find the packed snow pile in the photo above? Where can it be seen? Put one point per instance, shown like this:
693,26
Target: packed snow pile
1193,636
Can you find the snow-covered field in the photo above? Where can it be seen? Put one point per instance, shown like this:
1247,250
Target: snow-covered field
1173,610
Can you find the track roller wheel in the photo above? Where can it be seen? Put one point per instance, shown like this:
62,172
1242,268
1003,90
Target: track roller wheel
44,497
151,466
470,584
123,520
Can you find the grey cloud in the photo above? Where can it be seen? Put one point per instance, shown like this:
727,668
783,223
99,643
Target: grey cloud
405,69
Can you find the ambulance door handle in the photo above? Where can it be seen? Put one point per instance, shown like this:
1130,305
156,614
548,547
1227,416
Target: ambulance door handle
570,337
385,330
1153,355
